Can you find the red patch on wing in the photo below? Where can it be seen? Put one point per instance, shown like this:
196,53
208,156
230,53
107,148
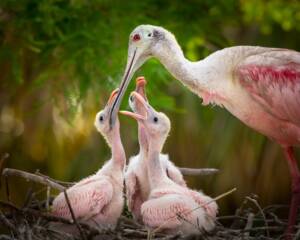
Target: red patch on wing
282,75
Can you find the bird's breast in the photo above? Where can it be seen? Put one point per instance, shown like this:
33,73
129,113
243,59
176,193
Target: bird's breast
251,113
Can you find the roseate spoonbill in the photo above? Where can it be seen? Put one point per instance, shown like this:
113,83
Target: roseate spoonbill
136,176
98,199
170,206
258,85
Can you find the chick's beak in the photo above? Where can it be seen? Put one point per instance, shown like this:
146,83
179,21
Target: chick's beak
141,100
137,115
140,87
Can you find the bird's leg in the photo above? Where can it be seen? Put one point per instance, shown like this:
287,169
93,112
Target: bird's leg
295,174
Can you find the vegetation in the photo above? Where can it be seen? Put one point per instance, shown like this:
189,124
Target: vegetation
60,59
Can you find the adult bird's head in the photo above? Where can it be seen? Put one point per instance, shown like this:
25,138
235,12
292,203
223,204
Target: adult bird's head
157,125
102,120
143,42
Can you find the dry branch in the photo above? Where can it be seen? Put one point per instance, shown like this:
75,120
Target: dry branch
262,213
33,177
198,171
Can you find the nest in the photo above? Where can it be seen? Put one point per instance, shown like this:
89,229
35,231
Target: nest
33,219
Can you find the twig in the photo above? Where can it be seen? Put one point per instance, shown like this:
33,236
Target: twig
33,177
8,224
28,197
271,228
2,162
262,213
7,189
48,197
67,184
130,221
198,171
135,232
46,216
73,215
276,219
249,225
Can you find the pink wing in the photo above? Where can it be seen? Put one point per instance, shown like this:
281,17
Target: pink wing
172,171
87,200
133,194
272,79
164,211
200,199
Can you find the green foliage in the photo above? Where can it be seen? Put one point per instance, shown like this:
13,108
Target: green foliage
59,57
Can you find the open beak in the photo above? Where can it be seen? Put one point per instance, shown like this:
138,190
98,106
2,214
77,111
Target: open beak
135,115
129,71
141,100
140,87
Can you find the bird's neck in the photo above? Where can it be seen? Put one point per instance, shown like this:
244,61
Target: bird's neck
200,77
117,151
143,142
171,56
155,171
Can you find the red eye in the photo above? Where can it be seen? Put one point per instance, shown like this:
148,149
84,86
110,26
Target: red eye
136,37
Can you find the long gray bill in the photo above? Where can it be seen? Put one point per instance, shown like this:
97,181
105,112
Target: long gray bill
122,89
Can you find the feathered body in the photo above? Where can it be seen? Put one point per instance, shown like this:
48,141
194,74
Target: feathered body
170,206
136,177
98,199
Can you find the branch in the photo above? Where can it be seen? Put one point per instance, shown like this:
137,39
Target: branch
198,171
261,211
47,216
8,224
33,177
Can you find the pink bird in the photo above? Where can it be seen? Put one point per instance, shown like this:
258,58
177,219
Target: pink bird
258,85
98,199
136,176
170,207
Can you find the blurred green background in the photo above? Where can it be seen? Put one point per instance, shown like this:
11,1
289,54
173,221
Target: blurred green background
60,59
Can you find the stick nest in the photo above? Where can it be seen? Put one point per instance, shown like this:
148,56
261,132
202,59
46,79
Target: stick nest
33,220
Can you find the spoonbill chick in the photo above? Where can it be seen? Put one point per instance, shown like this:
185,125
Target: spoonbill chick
98,199
170,207
136,176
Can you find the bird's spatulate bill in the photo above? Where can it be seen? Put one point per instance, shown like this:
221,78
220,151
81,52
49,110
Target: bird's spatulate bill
124,84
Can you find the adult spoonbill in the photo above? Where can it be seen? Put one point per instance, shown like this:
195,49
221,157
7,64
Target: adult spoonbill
98,199
170,206
258,85
136,176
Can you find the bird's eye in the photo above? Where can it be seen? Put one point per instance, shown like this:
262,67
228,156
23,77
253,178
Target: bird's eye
136,37
149,34
155,119
101,118
131,98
